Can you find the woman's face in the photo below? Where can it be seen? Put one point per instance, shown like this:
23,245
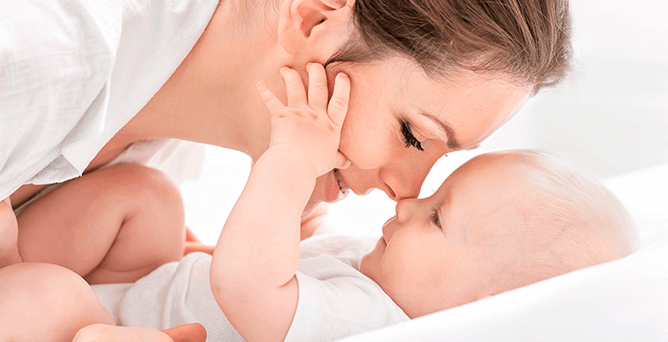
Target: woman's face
400,121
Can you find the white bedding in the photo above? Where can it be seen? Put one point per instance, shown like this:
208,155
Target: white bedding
623,300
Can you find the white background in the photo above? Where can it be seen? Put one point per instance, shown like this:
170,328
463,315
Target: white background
610,117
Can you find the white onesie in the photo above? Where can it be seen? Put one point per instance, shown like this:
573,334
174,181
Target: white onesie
335,299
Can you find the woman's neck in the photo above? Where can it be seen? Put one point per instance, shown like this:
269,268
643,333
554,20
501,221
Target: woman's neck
211,97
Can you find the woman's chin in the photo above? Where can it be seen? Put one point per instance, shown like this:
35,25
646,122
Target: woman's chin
326,190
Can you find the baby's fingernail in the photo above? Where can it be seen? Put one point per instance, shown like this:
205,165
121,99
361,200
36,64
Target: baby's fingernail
344,75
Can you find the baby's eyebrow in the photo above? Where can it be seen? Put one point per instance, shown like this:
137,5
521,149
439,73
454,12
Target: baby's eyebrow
446,128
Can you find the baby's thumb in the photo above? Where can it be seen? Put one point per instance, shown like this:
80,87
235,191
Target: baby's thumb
341,161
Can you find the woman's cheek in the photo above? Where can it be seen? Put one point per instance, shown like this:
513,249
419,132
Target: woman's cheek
366,150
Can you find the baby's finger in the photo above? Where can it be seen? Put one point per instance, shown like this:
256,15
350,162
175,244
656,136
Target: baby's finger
338,104
341,162
294,86
317,87
270,100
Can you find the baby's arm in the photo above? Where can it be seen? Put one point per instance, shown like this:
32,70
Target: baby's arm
9,234
256,258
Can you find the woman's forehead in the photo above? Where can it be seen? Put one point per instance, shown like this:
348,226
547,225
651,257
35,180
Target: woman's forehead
468,106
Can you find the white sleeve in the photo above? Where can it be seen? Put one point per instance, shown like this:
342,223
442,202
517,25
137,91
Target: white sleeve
55,60
339,306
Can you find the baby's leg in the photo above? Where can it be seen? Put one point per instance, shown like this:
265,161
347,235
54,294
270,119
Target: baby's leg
45,302
116,224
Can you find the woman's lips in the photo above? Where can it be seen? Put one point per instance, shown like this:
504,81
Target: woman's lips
336,188
343,185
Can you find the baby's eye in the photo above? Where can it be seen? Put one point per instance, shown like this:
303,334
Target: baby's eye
409,137
434,218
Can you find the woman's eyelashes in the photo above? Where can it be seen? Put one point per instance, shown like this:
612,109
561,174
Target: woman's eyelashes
435,219
409,137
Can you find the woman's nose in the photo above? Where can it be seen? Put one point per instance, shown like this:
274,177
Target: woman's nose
404,180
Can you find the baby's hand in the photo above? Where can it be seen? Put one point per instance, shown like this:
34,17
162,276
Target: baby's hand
193,332
309,124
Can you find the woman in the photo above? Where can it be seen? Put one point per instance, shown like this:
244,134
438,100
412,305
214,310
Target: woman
427,78
442,60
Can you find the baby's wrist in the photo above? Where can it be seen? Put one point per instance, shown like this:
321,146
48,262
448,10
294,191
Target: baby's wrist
291,157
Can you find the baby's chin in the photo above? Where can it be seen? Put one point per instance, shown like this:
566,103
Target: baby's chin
364,264
371,261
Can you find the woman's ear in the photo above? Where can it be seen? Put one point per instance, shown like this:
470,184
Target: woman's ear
299,18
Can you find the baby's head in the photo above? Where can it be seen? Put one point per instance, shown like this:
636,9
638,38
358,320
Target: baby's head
499,222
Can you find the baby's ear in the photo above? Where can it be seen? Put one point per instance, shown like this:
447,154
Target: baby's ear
306,24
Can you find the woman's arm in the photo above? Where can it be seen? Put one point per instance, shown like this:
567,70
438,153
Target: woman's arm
256,258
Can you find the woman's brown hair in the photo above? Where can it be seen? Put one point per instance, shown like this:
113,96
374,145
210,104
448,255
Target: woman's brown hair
528,40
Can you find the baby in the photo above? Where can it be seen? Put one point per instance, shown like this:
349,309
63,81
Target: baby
500,221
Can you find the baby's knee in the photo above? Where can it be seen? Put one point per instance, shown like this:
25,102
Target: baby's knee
46,302
149,184
158,216
153,196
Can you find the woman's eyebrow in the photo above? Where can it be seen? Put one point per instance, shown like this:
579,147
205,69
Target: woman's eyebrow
445,127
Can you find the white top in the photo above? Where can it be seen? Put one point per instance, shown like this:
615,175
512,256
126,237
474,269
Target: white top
73,73
335,299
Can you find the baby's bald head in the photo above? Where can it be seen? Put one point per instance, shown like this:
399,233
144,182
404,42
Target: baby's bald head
569,221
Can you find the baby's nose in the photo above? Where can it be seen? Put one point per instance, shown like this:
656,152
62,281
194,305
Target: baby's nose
405,207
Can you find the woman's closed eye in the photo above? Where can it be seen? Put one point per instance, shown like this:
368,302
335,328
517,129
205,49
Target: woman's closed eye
409,137
435,219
